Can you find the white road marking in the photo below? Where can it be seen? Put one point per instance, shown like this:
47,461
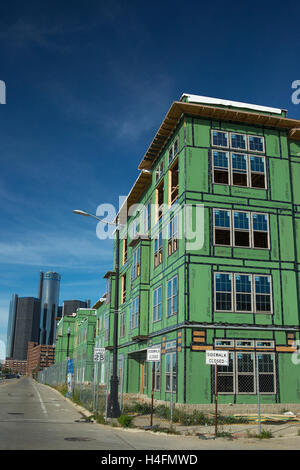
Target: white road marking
41,401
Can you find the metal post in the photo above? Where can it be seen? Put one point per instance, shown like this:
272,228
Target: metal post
171,403
152,393
94,388
258,395
216,400
114,411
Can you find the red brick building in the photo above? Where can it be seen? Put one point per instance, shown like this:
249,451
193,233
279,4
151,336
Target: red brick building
16,366
39,357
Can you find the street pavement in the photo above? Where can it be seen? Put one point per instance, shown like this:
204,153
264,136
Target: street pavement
36,417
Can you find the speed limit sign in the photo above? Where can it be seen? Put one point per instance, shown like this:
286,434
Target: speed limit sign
99,354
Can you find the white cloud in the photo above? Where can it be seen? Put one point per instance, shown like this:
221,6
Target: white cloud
55,249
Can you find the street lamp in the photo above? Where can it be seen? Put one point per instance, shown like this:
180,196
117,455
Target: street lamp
114,411
68,335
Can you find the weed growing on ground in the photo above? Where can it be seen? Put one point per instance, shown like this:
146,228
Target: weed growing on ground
126,421
263,435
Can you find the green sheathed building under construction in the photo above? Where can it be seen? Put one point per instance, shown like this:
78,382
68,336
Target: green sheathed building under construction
209,260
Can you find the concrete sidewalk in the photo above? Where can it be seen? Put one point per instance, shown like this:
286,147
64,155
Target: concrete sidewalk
288,428
239,432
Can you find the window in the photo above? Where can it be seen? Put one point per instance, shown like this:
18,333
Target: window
243,343
124,250
123,290
134,313
257,172
122,324
174,149
241,229
226,376
223,299
170,372
243,297
250,229
219,139
135,227
157,304
238,141
159,200
252,293
173,235
260,230
147,217
265,344
221,167
222,223
245,372
256,143
136,264
108,289
156,366
173,183
172,296
236,167
263,294
266,372
240,377
159,171
106,328
158,249
239,169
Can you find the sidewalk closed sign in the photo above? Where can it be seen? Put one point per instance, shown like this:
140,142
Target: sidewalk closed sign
153,354
220,358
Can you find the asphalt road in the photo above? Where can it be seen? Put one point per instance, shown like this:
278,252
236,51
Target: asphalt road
36,417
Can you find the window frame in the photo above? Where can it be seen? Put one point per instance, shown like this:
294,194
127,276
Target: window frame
236,293
123,324
158,253
172,297
223,132
236,171
171,353
134,319
173,236
219,168
252,231
231,293
253,293
238,148
263,142
271,294
229,150
157,307
232,229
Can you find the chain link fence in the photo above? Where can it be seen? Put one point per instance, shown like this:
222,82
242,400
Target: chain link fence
89,382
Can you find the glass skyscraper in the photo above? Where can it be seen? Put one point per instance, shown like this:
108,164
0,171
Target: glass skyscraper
49,306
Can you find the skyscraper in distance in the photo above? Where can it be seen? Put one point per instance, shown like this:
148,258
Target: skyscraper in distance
49,306
26,326
11,325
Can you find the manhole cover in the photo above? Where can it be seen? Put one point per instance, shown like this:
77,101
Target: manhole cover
76,439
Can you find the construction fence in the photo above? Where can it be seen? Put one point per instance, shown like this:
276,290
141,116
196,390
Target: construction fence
88,382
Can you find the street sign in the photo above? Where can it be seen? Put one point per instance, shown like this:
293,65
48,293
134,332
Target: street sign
70,366
153,355
99,354
220,358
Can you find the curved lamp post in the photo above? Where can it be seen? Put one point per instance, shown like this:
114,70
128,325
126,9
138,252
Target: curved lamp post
114,407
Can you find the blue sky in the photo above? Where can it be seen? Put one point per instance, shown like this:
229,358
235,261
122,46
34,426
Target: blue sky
88,84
